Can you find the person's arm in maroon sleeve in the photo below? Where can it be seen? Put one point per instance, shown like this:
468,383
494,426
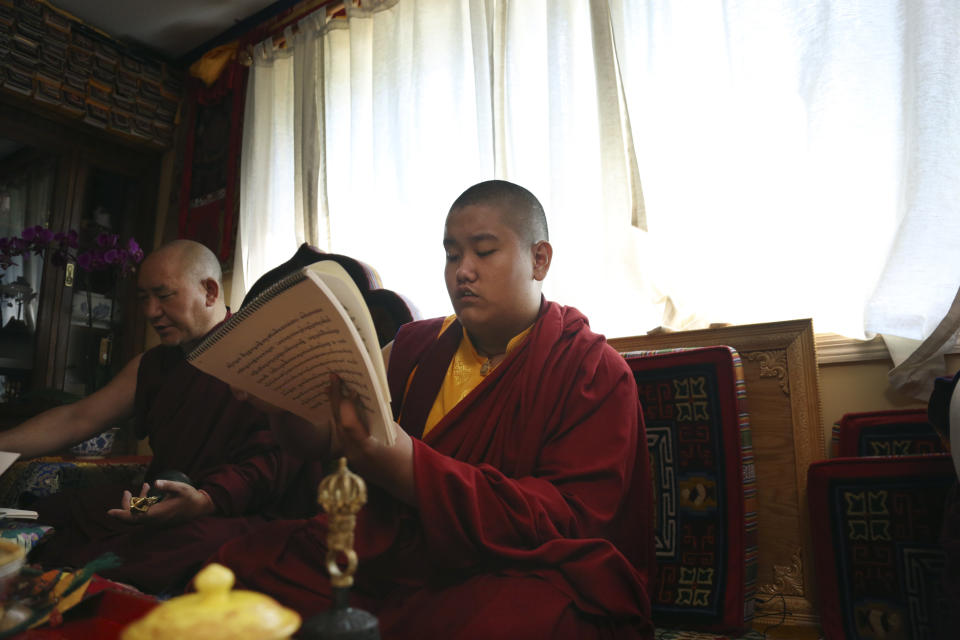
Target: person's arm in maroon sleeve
258,480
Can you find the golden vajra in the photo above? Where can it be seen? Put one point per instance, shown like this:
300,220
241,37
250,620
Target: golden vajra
142,505
342,494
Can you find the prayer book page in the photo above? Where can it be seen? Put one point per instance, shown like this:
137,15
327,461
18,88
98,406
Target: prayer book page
282,346
7,458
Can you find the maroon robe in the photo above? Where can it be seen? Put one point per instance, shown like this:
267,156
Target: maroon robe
534,501
194,425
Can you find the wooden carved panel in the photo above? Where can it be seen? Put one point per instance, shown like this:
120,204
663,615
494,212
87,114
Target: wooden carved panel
783,399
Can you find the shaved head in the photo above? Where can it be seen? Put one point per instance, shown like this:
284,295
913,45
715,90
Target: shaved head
497,255
180,292
520,209
193,259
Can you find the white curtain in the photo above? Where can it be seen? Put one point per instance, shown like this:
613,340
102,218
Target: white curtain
267,231
916,306
416,102
810,151
799,159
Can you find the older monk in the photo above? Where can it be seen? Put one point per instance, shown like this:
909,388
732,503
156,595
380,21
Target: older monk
515,501
240,476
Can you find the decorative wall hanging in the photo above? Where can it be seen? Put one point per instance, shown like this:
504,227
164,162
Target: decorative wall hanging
208,189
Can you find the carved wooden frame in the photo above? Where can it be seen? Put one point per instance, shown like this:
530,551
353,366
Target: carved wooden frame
783,400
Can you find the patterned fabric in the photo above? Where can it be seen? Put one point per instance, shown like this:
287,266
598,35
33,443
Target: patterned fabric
698,436
25,533
898,432
106,609
879,566
97,446
42,477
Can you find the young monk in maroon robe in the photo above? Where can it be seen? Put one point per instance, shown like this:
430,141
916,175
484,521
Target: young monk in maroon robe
515,502
194,425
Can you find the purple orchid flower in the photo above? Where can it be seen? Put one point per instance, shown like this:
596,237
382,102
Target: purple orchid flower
107,240
44,236
85,260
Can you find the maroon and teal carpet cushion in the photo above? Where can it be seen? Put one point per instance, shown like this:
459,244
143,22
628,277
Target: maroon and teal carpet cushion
876,524
705,525
896,432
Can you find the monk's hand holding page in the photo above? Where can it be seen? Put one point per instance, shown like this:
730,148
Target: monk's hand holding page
388,465
294,433
346,417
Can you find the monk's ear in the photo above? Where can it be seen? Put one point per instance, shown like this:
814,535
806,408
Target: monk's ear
211,291
542,256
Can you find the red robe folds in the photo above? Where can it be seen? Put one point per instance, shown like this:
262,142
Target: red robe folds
194,425
534,501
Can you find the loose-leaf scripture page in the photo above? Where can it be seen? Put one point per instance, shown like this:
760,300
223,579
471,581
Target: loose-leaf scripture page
283,345
7,458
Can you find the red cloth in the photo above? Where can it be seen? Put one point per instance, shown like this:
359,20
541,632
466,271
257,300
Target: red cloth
534,494
194,425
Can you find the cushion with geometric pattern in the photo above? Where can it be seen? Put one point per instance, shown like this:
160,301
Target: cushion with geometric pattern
876,523
893,432
705,520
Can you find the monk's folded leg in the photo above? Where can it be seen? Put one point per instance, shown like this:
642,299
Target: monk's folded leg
491,607
284,559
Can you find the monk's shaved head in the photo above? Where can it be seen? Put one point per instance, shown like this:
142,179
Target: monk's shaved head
519,208
497,255
193,259
180,292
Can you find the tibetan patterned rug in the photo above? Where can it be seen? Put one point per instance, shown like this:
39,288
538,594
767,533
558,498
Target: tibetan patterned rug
897,432
876,526
705,525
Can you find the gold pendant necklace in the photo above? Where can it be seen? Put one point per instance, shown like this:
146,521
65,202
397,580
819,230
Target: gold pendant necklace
485,367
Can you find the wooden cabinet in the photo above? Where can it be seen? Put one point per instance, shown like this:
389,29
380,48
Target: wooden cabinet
75,179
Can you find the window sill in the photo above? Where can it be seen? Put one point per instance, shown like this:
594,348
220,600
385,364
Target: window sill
836,349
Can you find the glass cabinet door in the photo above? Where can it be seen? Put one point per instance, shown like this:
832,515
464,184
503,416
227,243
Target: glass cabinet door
98,309
26,192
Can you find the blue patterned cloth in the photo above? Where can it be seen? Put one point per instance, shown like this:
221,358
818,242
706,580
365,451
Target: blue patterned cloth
42,477
25,533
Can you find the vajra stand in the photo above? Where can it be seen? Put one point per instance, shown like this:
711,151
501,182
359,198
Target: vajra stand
341,494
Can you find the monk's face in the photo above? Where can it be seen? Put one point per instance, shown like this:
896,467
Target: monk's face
493,275
176,305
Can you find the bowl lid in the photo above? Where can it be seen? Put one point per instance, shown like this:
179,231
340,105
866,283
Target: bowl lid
214,612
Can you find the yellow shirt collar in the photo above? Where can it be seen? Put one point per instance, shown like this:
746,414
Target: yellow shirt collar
464,374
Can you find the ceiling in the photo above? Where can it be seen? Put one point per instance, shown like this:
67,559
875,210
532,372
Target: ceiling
173,28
